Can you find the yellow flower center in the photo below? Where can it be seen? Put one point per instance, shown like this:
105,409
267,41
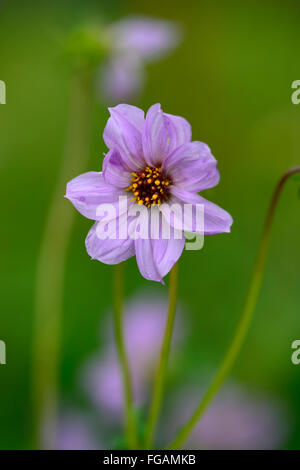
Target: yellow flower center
149,186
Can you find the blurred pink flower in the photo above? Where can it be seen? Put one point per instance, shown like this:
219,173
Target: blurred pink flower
144,322
75,432
121,78
132,42
236,419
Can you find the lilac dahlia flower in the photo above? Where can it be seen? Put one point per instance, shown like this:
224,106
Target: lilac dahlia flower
133,42
153,166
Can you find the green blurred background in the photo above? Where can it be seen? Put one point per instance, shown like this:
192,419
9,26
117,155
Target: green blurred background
231,78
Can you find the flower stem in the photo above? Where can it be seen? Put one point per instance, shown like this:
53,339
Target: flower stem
51,267
130,422
245,320
163,360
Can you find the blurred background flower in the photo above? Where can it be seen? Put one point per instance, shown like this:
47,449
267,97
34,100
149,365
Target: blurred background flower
237,419
76,431
100,377
123,49
133,42
144,323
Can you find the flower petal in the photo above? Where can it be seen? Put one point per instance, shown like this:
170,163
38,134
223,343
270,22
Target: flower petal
193,167
163,133
114,171
148,39
182,217
145,259
88,191
183,129
157,254
167,252
216,220
108,251
123,132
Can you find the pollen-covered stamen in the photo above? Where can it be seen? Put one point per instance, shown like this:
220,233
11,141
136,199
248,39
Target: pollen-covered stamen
149,186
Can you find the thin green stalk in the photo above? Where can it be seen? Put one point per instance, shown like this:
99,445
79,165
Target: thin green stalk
51,266
163,360
130,421
245,319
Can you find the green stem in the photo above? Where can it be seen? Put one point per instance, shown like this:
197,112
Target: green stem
163,361
130,422
245,319
51,266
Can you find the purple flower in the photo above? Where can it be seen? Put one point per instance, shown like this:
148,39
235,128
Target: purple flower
153,165
131,43
122,78
236,419
144,321
75,432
